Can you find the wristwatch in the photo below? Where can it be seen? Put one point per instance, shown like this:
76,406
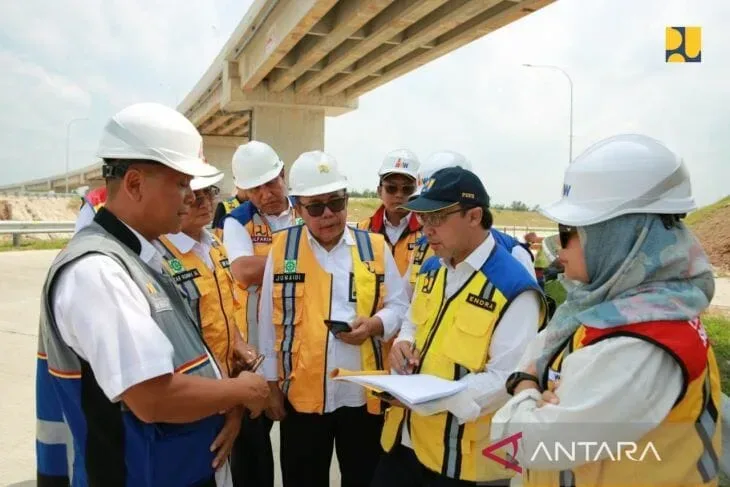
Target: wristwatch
517,377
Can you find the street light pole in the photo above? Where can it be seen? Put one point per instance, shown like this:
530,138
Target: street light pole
570,82
68,133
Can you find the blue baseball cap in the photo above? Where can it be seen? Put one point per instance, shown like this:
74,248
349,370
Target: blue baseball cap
448,187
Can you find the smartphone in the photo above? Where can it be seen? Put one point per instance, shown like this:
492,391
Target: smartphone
386,396
337,326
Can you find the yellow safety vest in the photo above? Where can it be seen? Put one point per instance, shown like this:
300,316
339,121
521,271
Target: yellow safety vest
453,336
210,295
687,443
229,204
403,248
302,293
261,235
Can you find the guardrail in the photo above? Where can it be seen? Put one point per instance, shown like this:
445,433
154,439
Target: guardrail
18,228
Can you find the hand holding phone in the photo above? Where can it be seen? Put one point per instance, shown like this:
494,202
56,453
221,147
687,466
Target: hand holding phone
337,326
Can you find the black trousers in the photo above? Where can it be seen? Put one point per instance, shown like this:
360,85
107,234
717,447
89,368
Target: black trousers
401,468
252,459
307,441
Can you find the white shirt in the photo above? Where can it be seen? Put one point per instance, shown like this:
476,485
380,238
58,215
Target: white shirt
85,216
111,326
338,262
616,390
185,243
393,232
518,252
238,241
517,328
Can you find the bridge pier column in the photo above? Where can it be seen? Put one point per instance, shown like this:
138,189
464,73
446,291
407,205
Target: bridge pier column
219,151
289,130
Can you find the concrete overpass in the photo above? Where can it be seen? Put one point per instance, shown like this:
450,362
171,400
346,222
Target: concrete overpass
290,63
86,176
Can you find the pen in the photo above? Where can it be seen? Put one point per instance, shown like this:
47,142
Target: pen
405,360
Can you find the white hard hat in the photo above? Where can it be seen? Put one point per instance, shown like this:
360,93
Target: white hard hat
315,173
401,161
623,174
255,163
203,182
155,132
437,161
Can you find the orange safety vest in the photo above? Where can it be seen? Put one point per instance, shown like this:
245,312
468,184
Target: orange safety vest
210,295
302,294
403,248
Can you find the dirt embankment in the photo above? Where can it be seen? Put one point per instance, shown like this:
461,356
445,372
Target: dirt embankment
39,208
712,226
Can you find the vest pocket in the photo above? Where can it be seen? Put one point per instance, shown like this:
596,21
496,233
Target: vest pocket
466,340
288,304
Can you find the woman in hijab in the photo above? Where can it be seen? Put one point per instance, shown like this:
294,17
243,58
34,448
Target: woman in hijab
621,387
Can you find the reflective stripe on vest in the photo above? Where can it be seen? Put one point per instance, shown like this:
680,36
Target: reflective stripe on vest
453,336
210,295
404,247
689,438
421,253
301,302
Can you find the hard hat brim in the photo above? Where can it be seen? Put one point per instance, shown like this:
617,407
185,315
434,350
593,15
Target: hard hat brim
203,182
404,172
318,190
263,179
566,213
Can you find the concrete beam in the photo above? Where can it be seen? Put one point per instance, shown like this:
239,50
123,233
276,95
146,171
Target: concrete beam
219,152
388,24
209,107
284,27
351,16
442,20
260,96
499,15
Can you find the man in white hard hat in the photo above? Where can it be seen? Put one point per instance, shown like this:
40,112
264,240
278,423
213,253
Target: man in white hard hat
624,367
398,174
200,267
119,348
422,251
474,310
331,297
259,173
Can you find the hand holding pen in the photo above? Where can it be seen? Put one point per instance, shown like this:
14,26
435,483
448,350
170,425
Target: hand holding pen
404,357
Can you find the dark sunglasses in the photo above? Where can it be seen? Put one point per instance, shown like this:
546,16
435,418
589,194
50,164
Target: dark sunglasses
566,232
406,190
317,209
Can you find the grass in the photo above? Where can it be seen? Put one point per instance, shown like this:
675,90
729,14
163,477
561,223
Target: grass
361,208
707,211
718,329
58,243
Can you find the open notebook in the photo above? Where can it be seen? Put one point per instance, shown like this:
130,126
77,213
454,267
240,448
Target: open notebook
411,389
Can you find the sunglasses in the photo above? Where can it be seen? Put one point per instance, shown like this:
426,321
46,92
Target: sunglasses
335,205
405,190
566,233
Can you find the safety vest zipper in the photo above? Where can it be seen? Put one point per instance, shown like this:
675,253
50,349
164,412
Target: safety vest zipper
225,318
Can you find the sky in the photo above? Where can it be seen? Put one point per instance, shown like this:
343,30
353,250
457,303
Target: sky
89,58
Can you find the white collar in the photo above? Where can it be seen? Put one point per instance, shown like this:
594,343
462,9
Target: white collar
403,222
347,238
479,256
185,243
148,253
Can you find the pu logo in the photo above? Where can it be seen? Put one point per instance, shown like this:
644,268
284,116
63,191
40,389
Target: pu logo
323,168
401,163
683,45
566,190
428,184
